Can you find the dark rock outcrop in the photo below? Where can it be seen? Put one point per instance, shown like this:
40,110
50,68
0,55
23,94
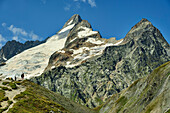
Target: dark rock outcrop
75,19
12,48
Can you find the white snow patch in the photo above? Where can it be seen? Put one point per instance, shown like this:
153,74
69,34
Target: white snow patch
69,65
4,57
94,41
80,50
80,56
67,28
87,32
93,51
68,62
73,39
97,50
70,22
52,67
61,51
118,43
51,39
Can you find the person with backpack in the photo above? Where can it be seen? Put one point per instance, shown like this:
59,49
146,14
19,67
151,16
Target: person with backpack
22,76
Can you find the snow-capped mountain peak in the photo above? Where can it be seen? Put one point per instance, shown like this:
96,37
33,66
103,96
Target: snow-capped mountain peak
33,61
82,43
73,44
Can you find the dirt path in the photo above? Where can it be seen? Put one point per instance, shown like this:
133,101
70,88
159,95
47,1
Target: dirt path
10,94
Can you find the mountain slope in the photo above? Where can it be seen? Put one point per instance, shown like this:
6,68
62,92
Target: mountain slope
32,98
12,48
89,69
147,95
8,90
33,61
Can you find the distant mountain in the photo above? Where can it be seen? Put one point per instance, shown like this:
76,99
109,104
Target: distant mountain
12,48
147,95
88,68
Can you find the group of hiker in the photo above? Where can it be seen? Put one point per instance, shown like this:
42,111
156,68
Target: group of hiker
15,78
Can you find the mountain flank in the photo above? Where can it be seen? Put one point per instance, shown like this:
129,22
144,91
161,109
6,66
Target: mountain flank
8,90
149,94
33,98
145,95
89,68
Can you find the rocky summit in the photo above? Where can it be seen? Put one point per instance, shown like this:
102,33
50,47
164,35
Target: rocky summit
89,69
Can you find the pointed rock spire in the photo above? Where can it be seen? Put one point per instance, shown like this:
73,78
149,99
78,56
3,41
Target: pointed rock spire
75,19
142,24
80,33
70,24
144,32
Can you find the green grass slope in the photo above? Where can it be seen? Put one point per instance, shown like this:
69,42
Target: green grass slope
150,94
37,99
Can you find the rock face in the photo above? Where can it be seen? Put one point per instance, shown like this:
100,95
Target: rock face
12,48
147,95
75,19
89,73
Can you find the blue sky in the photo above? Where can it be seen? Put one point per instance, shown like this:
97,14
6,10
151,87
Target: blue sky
37,19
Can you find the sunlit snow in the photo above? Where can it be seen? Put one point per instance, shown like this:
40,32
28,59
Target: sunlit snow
94,41
67,28
118,42
33,61
87,32
70,22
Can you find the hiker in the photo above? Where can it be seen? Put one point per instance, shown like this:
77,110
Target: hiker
15,78
22,76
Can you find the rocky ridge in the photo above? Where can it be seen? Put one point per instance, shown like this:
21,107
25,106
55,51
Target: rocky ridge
89,69
12,48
